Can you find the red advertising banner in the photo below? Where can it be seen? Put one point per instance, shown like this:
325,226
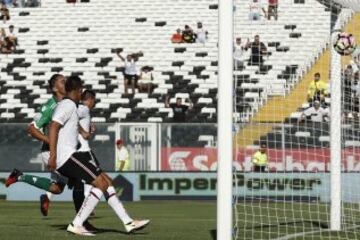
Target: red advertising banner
205,159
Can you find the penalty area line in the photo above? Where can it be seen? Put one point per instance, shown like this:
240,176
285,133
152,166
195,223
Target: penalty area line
294,235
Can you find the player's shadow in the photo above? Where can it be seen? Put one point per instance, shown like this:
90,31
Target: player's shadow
294,223
318,224
100,230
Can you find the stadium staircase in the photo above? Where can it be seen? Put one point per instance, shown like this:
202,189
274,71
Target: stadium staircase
291,107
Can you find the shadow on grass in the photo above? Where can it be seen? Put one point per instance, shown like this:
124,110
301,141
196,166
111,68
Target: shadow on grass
101,230
318,224
213,234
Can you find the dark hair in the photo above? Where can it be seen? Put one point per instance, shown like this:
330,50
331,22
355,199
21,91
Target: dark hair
178,98
87,94
73,83
317,74
11,26
53,79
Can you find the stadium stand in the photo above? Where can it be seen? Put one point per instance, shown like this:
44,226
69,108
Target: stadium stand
79,42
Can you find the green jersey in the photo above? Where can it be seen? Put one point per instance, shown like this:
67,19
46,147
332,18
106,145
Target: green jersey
43,119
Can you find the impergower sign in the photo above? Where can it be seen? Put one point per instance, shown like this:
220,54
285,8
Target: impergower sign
203,185
134,186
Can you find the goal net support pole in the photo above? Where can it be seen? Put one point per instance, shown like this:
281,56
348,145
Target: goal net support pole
335,140
225,113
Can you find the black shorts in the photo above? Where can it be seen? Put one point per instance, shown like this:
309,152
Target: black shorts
91,156
131,77
80,166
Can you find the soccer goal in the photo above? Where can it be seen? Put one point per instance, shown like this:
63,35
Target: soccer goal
295,132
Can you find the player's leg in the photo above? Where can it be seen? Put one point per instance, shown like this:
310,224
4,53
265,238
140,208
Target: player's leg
45,198
58,187
36,181
114,202
78,199
78,167
130,224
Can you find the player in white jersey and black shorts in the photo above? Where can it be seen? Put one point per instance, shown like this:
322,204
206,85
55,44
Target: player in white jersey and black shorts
65,158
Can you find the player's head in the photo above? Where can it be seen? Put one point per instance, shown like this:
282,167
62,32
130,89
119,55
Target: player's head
317,76
238,40
119,143
57,85
178,101
74,87
88,98
257,38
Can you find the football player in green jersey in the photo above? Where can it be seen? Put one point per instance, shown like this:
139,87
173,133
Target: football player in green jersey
38,129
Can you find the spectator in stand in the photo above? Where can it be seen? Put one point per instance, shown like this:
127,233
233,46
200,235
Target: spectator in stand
256,10
239,53
258,50
123,157
188,35
11,35
130,72
201,34
315,113
317,90
35,3
178,108
145,80
272,9
177,37
8,46
7,2
4,13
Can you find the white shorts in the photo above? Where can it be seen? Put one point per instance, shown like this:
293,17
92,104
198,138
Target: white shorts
45,157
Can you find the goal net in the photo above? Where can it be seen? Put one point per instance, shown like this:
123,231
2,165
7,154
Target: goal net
297,122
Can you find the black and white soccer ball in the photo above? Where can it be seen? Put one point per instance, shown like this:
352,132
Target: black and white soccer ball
344,43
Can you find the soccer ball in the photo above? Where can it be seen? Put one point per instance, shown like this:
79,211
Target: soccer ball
344,43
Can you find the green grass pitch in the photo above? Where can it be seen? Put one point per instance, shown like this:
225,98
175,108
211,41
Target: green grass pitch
170,220
180,220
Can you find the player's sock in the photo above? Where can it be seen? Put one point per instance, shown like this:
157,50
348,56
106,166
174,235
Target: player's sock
78,195
49,195
39,182
117,206
88,206
87,189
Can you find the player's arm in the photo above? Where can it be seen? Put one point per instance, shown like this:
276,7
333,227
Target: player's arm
40,122
53,138
86,135
37,134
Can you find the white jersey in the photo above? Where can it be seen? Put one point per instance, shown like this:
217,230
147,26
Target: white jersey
66,114
84,121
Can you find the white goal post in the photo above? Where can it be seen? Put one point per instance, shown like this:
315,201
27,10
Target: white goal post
225,124
225,111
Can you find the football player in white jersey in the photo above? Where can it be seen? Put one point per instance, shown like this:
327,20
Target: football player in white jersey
71,163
